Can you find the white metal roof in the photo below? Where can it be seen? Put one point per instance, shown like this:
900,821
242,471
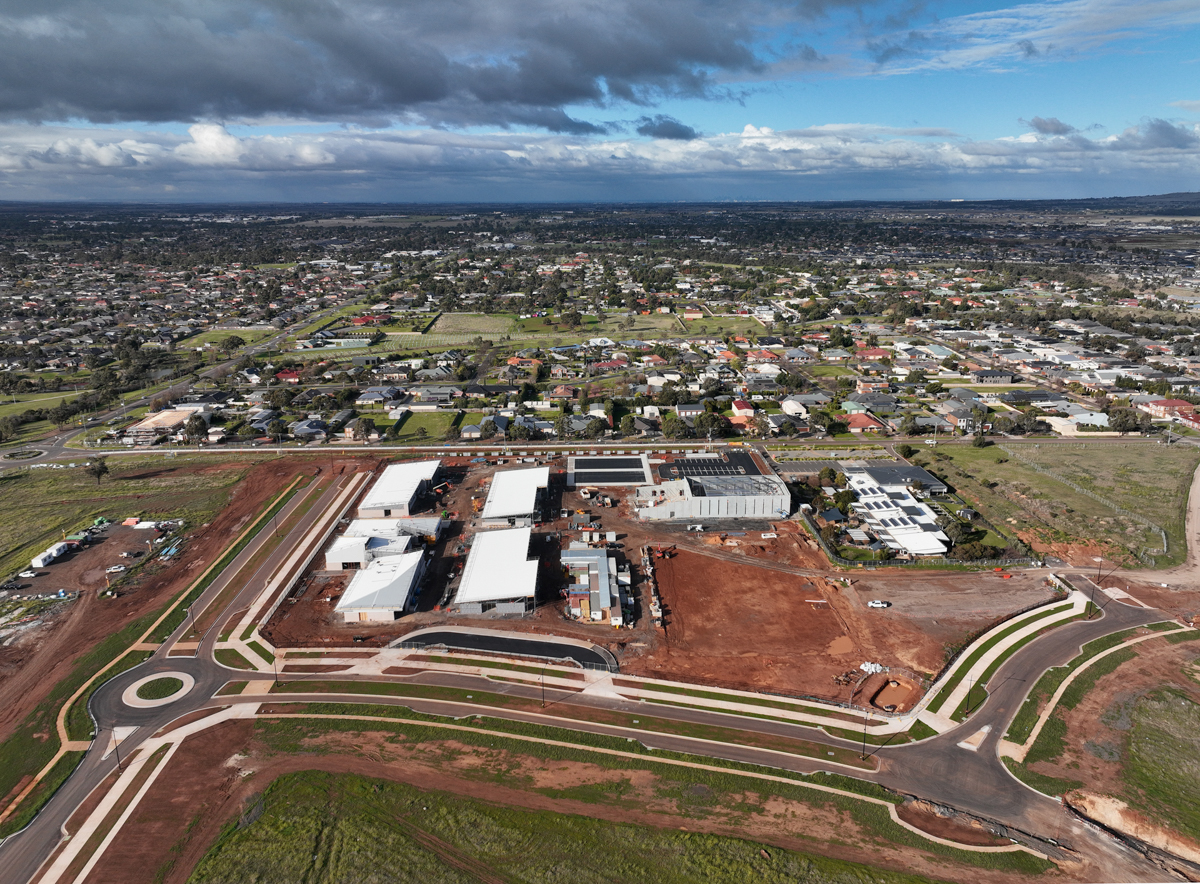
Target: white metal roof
392,527
398,483
385,583
498,567
513,492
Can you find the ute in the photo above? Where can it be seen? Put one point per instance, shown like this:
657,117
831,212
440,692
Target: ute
878,603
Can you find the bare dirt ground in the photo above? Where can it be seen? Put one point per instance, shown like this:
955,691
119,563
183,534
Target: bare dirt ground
208,782
29,670
742,626
1078,553
923,815
1098,727
734,625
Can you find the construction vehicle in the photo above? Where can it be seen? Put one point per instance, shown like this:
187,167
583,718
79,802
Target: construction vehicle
664,552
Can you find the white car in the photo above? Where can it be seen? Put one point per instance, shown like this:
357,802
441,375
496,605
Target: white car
876,603
28,574
115,569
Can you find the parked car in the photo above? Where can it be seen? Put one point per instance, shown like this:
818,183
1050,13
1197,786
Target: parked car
115,569
876,603
28,574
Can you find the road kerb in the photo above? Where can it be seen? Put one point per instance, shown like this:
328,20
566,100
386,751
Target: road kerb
1018,751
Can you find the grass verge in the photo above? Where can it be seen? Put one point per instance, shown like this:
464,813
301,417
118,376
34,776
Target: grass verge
964,667
179,612
682,775
232,658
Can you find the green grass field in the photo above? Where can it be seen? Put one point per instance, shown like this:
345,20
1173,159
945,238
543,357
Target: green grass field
1145,478
24,402
346,828
216,336
40,504
721,325
486,325
828,371
1150,480
434,423
1162,768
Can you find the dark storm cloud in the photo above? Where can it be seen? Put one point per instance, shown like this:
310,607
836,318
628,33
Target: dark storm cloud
1156,134
1049,126
455,62
662,126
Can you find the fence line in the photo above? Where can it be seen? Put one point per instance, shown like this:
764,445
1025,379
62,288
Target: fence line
1038,468
924,562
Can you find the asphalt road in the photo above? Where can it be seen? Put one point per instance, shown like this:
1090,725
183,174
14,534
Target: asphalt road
936,769
505,644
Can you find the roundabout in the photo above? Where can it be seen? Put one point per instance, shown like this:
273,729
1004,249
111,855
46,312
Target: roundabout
159,689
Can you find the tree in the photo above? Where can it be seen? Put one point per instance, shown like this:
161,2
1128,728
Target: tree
97,468
980,441
826,476
905,451
710,422
232,343
487,429
596,428
573,318
843,499
277,428
562,427
364,428
627,427
195,429
673,426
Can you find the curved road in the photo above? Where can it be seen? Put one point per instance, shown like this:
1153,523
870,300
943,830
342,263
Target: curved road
936,769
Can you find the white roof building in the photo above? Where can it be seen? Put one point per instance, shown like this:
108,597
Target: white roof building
513,499
499,575
352,551
395,491
383,590
897,518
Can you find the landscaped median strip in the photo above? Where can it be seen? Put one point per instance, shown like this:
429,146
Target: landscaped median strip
65,743
671,762
261,608
998,643
101,827
1076,667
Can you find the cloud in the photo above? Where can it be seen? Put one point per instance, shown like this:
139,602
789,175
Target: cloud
1156,135
1028,32
456,62
1190,106
1049,126
662,126
834,161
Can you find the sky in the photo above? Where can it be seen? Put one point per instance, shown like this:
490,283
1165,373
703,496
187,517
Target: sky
610,101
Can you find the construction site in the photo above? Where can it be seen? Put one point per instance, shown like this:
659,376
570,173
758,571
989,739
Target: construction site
746,600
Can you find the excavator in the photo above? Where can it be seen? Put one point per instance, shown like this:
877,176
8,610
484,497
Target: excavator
664,552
